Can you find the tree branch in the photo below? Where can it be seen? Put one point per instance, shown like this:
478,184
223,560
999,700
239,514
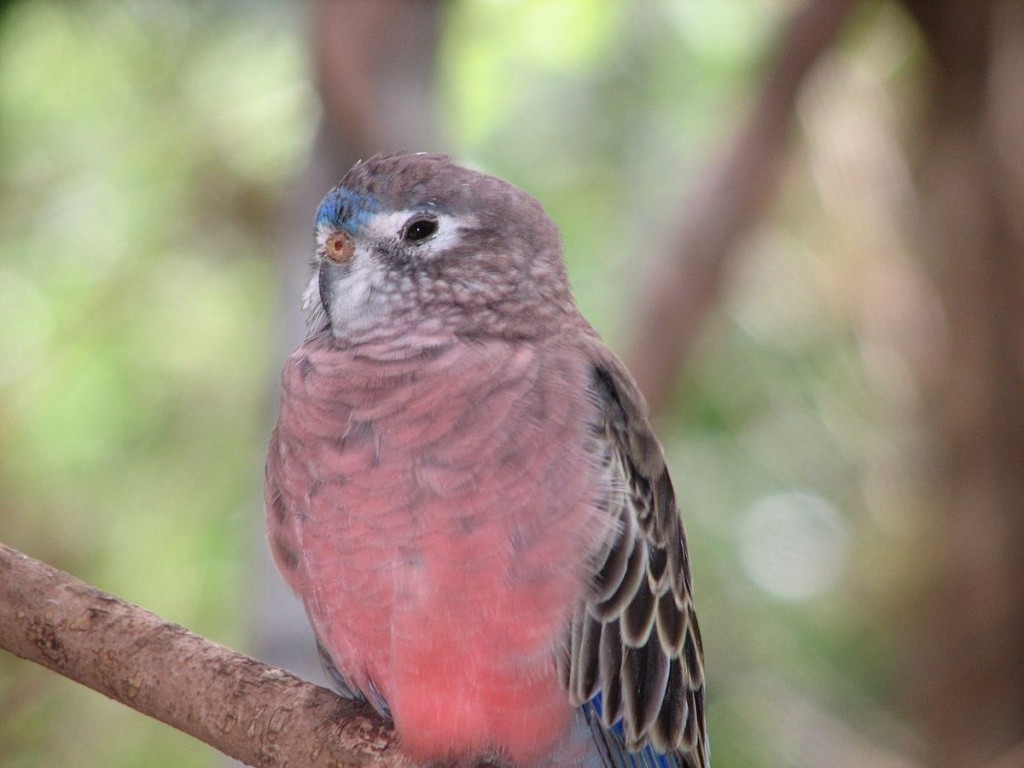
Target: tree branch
726,206
255,713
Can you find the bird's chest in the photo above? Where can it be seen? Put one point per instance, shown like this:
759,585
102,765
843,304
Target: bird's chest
445,513
437,483
452,448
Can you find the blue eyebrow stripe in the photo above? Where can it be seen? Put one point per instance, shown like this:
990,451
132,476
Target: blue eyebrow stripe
346,209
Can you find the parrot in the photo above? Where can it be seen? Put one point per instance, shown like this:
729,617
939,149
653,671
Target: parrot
464,488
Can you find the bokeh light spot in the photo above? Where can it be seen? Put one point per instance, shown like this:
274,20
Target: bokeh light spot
793,545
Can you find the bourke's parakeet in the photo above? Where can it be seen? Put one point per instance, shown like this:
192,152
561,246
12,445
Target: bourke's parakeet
464,488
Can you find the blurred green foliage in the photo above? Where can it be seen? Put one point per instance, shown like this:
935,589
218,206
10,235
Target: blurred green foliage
144,148
145,151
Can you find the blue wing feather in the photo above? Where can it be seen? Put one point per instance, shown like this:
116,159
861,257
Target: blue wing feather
610,743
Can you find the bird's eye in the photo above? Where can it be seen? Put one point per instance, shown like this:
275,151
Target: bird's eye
339,247
419,228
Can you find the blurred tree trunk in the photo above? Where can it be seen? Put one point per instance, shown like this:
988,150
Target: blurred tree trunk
967,669
737,187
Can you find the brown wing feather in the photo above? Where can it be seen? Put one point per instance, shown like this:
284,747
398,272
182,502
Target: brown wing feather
636,638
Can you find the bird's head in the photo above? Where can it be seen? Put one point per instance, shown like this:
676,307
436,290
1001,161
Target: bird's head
412,243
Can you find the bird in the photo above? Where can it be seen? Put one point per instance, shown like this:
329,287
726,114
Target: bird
464,488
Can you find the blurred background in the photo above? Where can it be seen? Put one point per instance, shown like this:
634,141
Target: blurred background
801,224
